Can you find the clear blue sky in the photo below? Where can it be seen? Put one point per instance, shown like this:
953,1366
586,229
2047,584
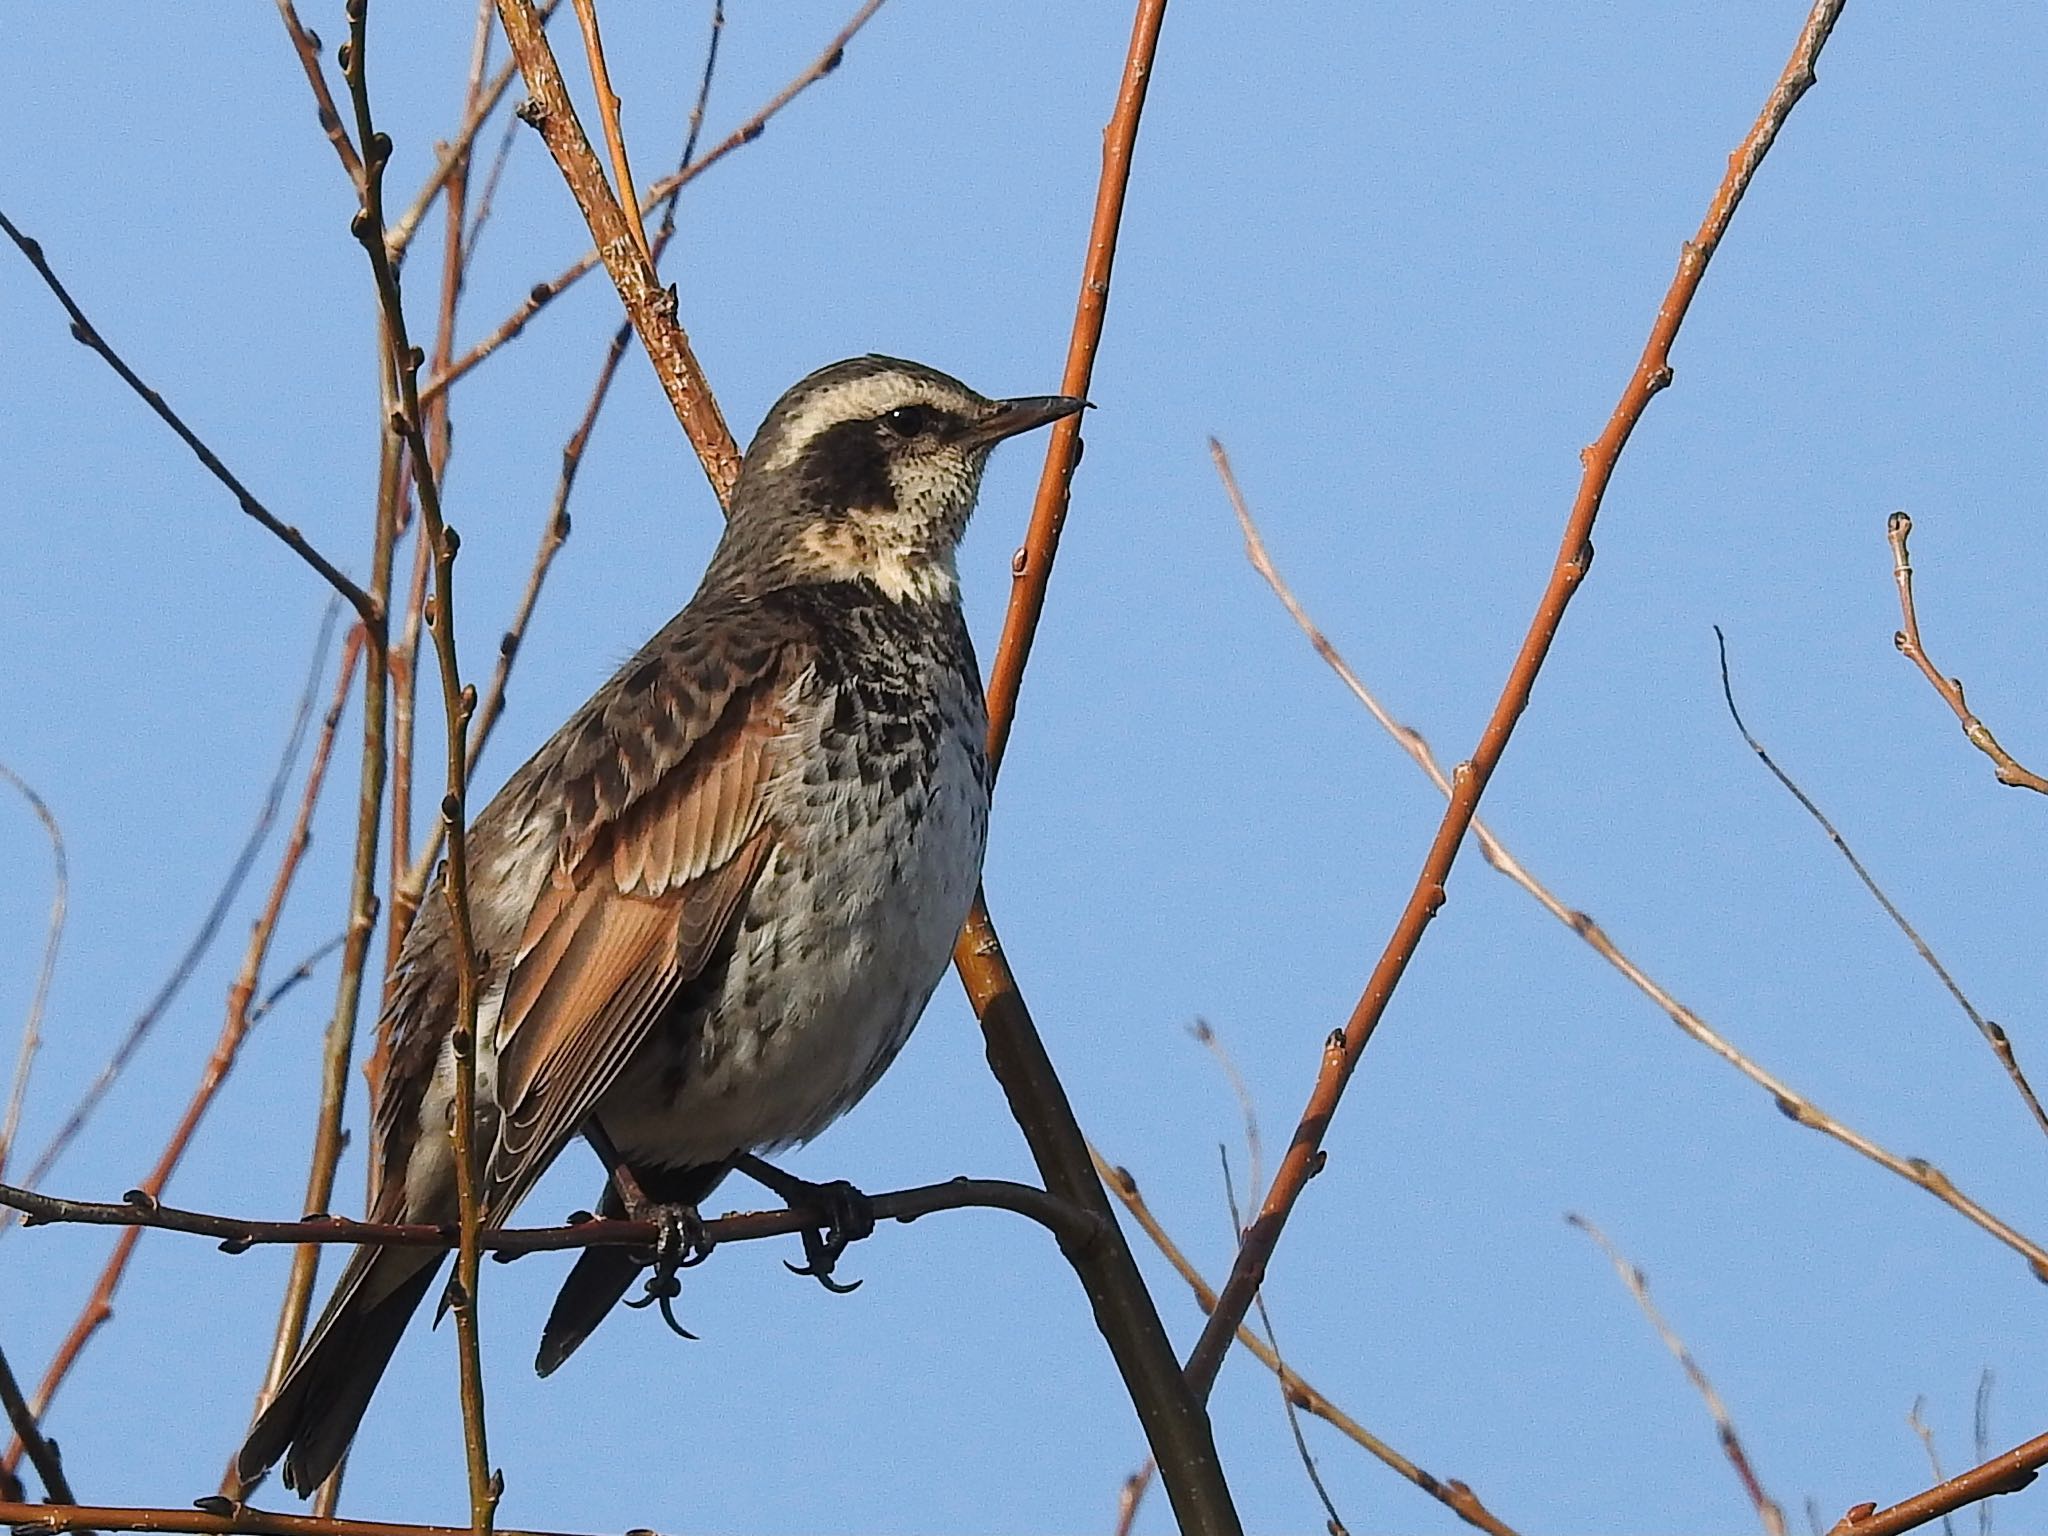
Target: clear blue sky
1401,259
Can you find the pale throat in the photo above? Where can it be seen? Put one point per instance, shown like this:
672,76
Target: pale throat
889,548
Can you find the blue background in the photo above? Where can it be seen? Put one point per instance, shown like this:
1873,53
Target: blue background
1401,259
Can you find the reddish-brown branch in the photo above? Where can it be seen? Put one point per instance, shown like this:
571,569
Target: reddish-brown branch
619,243
1898,529
2006,1473
236,1234
543,293
234,1030
1344,1048
83,331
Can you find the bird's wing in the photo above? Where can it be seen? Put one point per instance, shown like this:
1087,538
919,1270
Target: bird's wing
665,830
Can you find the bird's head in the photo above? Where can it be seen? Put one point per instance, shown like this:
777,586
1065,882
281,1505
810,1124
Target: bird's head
867,470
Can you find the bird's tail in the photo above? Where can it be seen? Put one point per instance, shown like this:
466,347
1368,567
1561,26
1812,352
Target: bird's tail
599,1282
321,1401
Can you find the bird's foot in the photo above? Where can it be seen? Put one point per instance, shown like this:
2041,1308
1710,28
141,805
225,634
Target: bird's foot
682,1244
849,1217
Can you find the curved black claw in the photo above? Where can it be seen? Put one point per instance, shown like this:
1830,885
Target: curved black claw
681,1245
849,1217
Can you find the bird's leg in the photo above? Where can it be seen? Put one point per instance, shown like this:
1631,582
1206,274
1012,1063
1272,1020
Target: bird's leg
849,1217
681,1244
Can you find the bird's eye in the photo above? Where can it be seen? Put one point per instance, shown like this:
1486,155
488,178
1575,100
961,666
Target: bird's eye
909,420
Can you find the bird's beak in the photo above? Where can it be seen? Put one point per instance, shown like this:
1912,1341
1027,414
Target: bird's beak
1020,415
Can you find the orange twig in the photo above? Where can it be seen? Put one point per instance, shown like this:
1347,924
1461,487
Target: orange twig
2006,1473
608,119
1343,1050
1454,1495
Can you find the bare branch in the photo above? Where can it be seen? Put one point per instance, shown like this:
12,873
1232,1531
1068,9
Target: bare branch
1898,529
306,44
2007,1473
1345,1048
53,937
1794,1105
82,331
543,293
1768,1510
1994,1035
1454,1495
237,1234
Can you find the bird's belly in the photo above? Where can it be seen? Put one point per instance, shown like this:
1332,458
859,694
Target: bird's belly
843,938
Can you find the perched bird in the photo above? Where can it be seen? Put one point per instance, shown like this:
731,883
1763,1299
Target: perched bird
709,910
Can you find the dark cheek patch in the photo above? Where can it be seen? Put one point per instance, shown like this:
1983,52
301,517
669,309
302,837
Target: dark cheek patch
846,466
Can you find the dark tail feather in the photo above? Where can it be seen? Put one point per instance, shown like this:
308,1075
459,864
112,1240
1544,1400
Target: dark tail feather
598,1283
602,1276
315,1413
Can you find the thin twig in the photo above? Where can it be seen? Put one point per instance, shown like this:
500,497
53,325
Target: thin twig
1454,1495
1919,1426
1254,1143
53,937
478,105
223,902
306,44
42,1451
608,118
1768,1510
1898,529
238,1234
83,331
2006,1473
235,1027
1131,1493
1789,1101
1334,1522
1344,1049
541,294
1994,1035
620,244
1981,1439
486,1486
